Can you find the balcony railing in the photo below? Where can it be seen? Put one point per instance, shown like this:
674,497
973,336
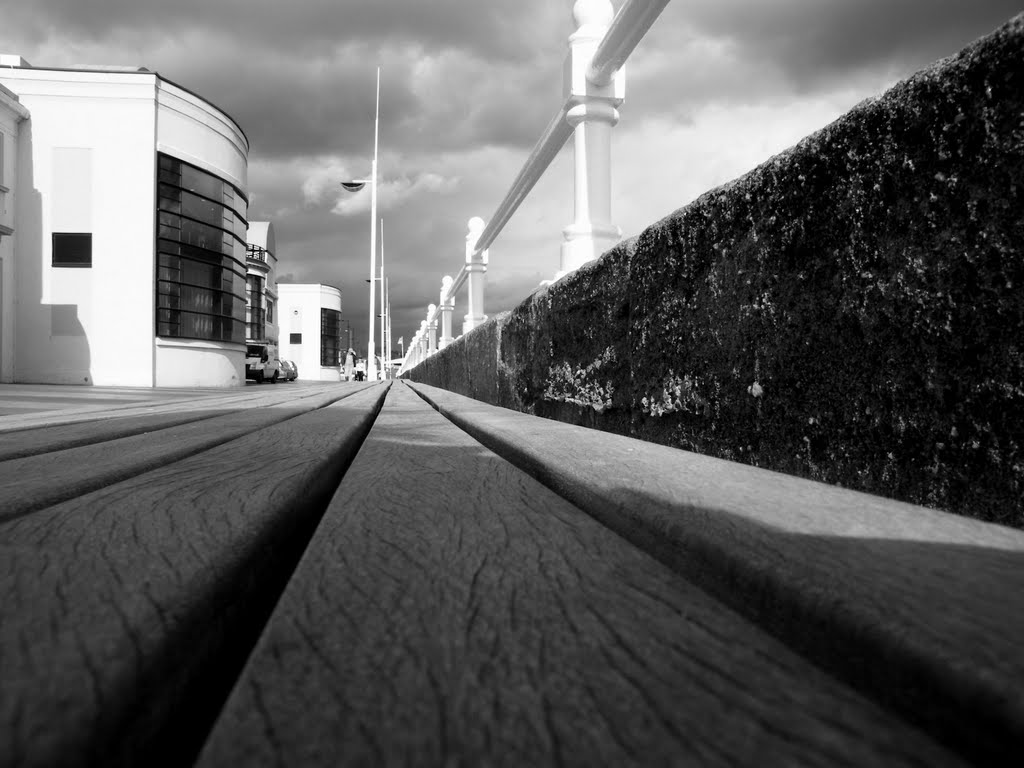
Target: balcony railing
256,253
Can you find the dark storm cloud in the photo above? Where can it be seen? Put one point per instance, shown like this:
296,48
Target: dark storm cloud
813,40
496,28
299,76
467,87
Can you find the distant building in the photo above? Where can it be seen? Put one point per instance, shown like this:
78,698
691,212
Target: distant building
129,233
310,329
261,285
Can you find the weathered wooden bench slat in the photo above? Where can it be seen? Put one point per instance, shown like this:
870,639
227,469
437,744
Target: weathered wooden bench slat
62,431
100,411
450,610
920,609
127,612
28,483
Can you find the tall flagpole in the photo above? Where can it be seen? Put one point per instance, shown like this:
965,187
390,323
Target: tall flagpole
371,351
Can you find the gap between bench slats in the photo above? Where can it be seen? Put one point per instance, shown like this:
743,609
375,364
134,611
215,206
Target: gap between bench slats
110,425
127,612
450,610
35,482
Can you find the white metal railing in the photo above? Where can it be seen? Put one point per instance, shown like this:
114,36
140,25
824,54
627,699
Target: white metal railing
594,87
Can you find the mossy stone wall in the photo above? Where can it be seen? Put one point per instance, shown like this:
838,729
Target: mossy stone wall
852,311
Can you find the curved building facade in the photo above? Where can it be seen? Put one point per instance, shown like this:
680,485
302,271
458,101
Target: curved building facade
310,330
130,260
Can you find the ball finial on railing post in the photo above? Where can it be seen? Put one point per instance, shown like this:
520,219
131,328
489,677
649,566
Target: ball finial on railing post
591,12
474,227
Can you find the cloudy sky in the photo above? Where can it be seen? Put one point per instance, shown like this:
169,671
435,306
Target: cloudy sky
467,87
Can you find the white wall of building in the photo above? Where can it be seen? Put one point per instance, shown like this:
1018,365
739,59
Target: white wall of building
300,305
87,163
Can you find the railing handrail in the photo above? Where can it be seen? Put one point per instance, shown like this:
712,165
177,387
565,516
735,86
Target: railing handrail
627,29
549,145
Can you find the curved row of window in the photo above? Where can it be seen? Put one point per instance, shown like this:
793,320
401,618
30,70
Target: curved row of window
201,230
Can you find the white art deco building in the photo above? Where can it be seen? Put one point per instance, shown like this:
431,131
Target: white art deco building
125,260
310,329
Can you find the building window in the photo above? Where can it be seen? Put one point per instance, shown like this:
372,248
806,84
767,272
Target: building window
270,310
294,338
256,315
72,249
330,337
201,276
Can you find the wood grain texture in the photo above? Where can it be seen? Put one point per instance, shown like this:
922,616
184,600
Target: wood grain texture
29,483
920,609
127,612
99,407
67,430
450,610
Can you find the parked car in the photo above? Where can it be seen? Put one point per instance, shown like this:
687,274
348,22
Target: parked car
289,370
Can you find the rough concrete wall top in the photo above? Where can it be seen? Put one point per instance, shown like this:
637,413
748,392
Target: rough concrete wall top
850,311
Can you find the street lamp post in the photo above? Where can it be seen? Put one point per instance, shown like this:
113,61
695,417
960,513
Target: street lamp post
354,186
383,308
387,323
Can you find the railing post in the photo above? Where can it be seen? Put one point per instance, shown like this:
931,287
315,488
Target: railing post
431,329
446,307
423,340
414,351
592,114
476,274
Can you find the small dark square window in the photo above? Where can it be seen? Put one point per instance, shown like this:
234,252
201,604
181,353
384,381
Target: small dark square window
294,338
72,249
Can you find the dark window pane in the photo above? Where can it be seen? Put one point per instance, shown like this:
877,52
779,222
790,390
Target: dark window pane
201,182
200,262
330,337
294,338
169,204
72,249
202,209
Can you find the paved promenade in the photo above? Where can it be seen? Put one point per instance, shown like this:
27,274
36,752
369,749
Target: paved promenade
390,574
